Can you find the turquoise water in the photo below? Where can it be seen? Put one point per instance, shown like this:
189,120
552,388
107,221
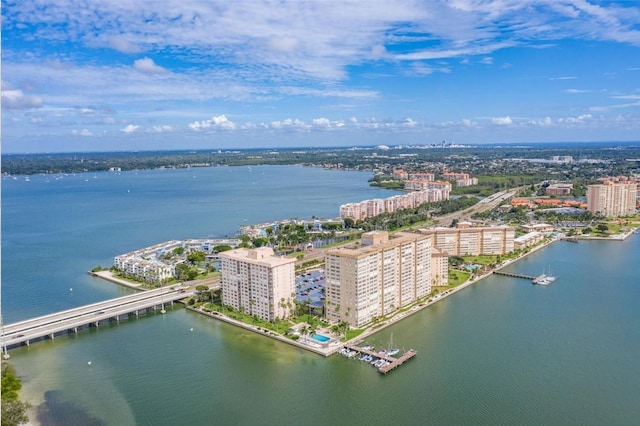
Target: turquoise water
501,352
320,338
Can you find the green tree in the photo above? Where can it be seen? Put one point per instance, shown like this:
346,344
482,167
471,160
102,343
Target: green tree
196,256
203,293
14,411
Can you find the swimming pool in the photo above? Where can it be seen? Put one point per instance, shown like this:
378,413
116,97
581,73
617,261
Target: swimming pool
320,338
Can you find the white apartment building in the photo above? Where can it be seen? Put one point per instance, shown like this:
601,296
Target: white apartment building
612,198
258,283
528,239
385,274
370,208
472,241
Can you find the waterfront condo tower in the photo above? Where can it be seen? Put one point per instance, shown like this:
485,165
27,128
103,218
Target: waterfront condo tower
384,274
612,199
258,283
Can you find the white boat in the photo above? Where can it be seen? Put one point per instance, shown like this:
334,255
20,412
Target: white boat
544,279
391,351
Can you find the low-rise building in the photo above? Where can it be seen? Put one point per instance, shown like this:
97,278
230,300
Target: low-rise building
528,239
561,189
539,227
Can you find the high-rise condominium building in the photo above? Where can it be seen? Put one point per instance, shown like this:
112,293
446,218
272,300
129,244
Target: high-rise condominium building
258,283
385,274
467,240
612,199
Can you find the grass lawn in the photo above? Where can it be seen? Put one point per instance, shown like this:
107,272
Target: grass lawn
280,327
483,259
456,277
352,334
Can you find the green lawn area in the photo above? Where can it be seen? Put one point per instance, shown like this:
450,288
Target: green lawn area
456,277
280,327
483,259
352,334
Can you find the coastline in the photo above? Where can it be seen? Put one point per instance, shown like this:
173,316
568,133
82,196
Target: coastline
108,275
335,345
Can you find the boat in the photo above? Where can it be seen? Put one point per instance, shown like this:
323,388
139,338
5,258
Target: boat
544,279
392,351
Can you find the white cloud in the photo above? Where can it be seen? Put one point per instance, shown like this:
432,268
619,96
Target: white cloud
466,122
544,122
283,44
83,132
148,66
320,39
574,91
122,44
502,121
130,128
575,120
163,128
215,122
321,123
626,97
408,122
15,99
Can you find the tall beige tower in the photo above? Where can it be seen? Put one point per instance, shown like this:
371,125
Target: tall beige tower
383,275
612,199
258,283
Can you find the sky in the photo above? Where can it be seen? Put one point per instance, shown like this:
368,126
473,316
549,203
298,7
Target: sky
105,75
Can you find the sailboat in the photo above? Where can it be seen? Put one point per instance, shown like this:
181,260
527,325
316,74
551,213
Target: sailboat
544,279
392,351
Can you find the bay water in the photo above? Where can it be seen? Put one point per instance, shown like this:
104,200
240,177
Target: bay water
502,351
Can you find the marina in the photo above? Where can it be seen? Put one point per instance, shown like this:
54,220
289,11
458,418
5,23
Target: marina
381,359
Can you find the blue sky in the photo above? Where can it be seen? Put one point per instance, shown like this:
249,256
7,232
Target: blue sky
139,75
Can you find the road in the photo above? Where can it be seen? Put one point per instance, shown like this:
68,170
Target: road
72,319
483,205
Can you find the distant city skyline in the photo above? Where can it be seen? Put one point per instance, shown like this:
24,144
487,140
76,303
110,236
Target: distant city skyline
118,75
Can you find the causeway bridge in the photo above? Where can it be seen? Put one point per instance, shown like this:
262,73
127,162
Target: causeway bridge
72,320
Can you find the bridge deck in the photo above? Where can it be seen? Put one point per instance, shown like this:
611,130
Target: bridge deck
70,320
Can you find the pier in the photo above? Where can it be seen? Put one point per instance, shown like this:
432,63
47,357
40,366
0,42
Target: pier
515,275
392,362
72,320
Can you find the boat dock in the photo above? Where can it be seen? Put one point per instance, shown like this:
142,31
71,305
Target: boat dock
540,279
515,275
391,362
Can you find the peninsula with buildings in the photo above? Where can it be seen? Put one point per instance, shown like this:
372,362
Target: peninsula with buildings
322,284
